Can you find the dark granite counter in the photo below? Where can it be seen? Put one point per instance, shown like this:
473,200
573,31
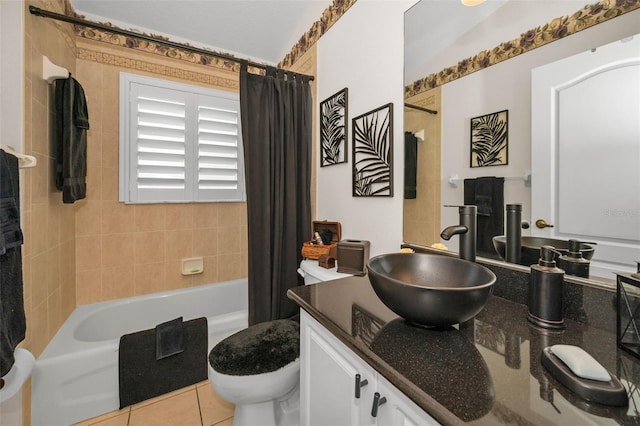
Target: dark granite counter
483,372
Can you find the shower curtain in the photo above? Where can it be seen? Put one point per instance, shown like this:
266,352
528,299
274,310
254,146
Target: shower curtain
275,111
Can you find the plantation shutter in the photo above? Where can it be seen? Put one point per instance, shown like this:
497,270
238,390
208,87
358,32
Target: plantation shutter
220,171
180,143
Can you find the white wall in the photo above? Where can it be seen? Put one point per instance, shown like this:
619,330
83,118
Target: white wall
363,51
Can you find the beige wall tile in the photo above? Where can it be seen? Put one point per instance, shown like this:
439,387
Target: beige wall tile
173,275
229,214
178,244
150,217
180,216
205,215
149,278
230,267
210,273
117,282
117,250
205,242
229,239
39,270
89,218
117,218
88,286
109,184
149,247
88,253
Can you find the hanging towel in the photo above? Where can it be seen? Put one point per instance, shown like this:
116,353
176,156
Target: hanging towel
488,194
70,143
410,165
12,318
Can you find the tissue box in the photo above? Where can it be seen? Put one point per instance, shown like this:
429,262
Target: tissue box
314,251
353,256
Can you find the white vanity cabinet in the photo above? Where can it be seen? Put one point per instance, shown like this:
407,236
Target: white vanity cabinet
329,385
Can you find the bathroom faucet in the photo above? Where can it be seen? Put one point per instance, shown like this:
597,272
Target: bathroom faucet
467,231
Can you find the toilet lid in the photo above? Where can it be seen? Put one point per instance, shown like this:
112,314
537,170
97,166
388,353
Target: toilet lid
261,348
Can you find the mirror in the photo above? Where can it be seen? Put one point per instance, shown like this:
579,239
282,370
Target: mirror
443,139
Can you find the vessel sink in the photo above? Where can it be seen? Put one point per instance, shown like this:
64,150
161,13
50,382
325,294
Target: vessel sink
530,252
429,289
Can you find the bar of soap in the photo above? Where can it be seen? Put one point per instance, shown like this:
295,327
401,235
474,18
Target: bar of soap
581,363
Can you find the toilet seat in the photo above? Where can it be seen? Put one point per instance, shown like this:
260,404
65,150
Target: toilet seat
258,370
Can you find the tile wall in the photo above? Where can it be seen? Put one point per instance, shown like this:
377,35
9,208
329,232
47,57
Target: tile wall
126,250
421,216
49,266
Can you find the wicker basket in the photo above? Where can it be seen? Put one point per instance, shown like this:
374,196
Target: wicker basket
314,251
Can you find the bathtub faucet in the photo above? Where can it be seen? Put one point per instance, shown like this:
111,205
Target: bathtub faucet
467,231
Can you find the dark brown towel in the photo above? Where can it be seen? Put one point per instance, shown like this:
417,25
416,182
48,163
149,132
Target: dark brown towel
142,376
12,318
70,143
488,194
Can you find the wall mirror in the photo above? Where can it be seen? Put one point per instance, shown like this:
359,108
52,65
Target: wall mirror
443,138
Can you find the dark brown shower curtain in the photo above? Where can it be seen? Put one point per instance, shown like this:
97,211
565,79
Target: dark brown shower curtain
276,132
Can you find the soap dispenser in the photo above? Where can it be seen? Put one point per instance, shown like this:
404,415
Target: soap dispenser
545,291
573,263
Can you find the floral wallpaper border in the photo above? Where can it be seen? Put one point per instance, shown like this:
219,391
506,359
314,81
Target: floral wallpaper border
320,27
139,65
556,29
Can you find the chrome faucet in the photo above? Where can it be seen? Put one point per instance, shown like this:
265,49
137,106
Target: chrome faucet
467,231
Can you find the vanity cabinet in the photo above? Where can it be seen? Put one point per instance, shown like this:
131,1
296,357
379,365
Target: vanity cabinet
338,388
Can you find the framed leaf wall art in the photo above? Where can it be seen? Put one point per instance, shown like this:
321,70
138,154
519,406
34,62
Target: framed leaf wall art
373,153
490,139
333,129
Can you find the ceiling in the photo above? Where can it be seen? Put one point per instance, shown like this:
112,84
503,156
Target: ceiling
263,31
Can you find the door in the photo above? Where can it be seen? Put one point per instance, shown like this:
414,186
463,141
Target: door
586,153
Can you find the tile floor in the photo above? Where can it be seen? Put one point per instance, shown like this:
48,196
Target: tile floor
195,405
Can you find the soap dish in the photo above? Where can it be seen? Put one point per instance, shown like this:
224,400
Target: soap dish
611,392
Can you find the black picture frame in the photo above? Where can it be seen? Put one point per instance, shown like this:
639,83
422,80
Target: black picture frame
333,129
372,137
490,140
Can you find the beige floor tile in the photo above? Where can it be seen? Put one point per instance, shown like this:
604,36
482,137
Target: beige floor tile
115,418
213,408
161,397
228,422
178,410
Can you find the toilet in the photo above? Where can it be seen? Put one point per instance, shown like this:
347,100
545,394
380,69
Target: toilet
11,392
264,389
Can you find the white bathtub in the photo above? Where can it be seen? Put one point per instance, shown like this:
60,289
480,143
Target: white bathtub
76,377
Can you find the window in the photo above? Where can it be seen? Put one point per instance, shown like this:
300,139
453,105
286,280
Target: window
178,143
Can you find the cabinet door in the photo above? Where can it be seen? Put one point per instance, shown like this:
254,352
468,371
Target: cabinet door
398,410
328,380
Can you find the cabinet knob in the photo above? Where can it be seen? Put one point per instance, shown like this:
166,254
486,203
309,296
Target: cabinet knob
377,402
360,383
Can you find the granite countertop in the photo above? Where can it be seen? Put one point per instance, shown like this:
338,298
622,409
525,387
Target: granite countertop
485,372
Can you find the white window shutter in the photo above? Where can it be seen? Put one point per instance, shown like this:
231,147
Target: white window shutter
220,170
179,143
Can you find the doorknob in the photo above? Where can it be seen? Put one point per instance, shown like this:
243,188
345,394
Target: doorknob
540,223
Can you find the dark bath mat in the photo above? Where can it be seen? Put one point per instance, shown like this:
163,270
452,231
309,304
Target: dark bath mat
141,376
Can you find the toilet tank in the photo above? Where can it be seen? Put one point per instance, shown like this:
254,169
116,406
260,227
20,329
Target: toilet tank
314,273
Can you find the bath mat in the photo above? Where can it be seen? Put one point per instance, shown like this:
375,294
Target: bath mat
141,376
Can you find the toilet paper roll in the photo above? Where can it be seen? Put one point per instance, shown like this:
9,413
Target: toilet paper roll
18,375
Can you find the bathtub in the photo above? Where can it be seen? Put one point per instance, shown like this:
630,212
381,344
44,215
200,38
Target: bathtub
76,377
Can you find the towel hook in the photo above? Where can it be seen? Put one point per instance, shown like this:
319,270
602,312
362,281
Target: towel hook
51,71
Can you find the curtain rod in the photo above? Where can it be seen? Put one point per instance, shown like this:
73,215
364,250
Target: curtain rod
430,111
77,21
